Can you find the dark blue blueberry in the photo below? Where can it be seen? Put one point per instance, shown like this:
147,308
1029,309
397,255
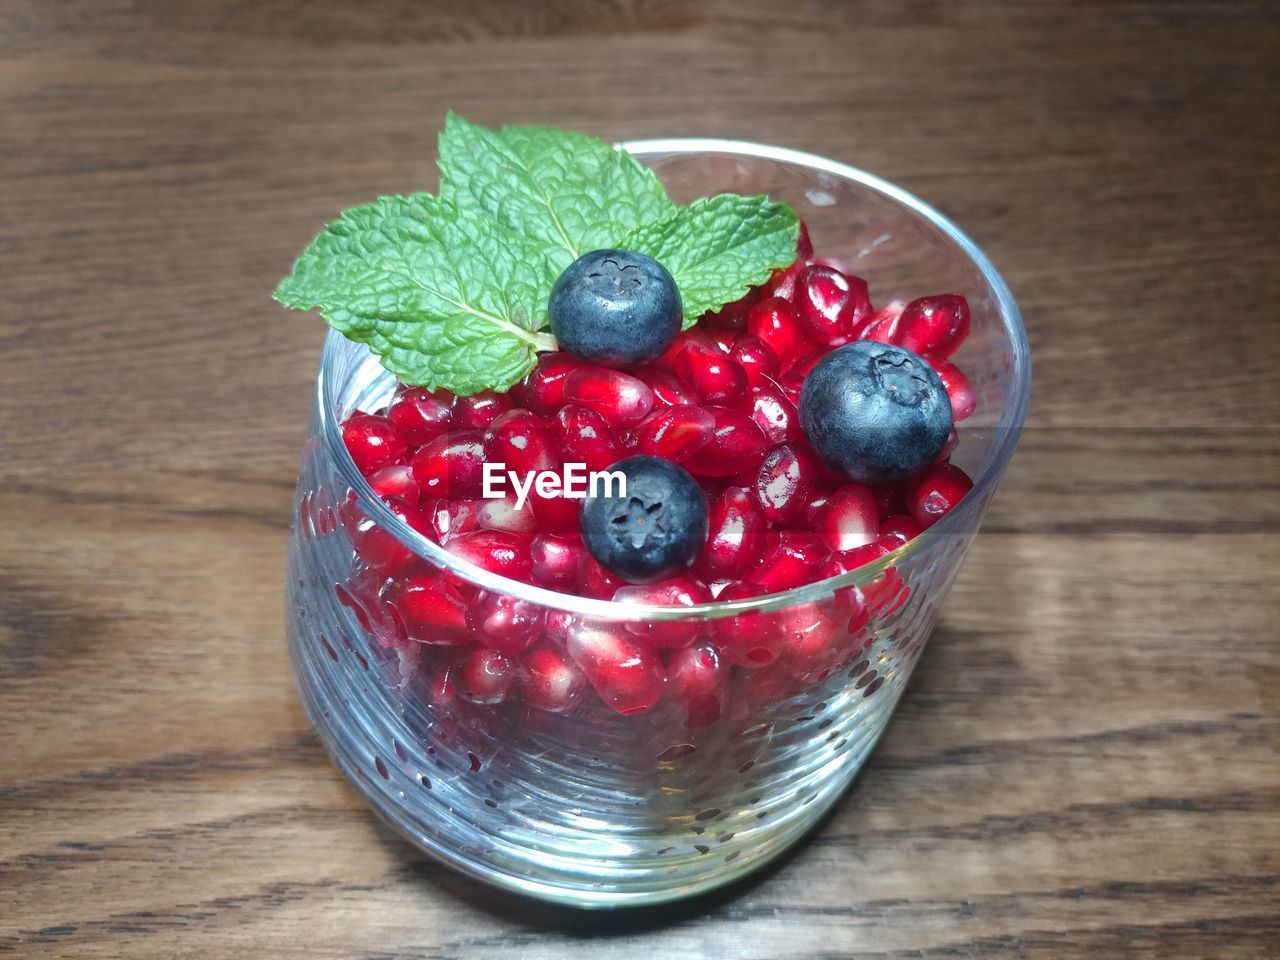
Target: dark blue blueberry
653,532
875,411
614,307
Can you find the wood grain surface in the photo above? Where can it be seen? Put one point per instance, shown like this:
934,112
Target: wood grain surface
1086,764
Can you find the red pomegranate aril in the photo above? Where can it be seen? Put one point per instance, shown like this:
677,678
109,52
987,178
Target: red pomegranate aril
813,506
451,465
851,518
737,444
543,388
786,564
773,322
373,442
667,389
804,246
830,304
555,560
897,530
431,610
520,440
934,325
504,515
618,397
758,361
551,681
847,560
782,484
736,537
586,437
449,518
555,512
774,413
750,639
675,433
698,679
479,410
419,414
882,326
484,675
494,550
682,591
396,481
714,376
628,676
936,492
810,632
379,548
558,625
959,390
594,580
948,446
783,281
505,622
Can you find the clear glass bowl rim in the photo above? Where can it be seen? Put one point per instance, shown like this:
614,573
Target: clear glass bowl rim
1008,429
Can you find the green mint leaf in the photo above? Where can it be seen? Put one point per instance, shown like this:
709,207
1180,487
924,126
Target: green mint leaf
445,300
718,247
571,192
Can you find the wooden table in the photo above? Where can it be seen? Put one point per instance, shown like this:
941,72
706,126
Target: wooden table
1086,763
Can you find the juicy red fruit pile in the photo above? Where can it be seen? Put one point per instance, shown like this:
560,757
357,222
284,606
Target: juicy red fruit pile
722,403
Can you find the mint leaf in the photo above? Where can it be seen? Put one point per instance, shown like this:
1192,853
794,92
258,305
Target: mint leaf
445,300
718,247
571,192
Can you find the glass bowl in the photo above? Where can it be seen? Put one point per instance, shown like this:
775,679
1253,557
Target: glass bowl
555,793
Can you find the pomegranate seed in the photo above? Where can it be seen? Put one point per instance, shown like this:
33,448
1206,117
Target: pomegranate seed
783,483
736,538
934,325
504,515
682,591
813,506
699,680
774,413
787,563
838,564
372,442
543,388
419,414
493,550
831,304
594,580
520,439
628,677
379,548
773,322
556,513
804,246
484,675
959,390
555,560
431,610
714,376
478,411
559,623
749,639
811,632
504,622
667,389
936,492
886,593
948,446
449,518
550,681
897,530
783,282
396,481
586,437
675,433
451,465
736,445
758,361
882,326
619,398
850,519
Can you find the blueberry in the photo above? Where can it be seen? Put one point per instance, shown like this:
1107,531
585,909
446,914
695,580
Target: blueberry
653,532
875,411
614,307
